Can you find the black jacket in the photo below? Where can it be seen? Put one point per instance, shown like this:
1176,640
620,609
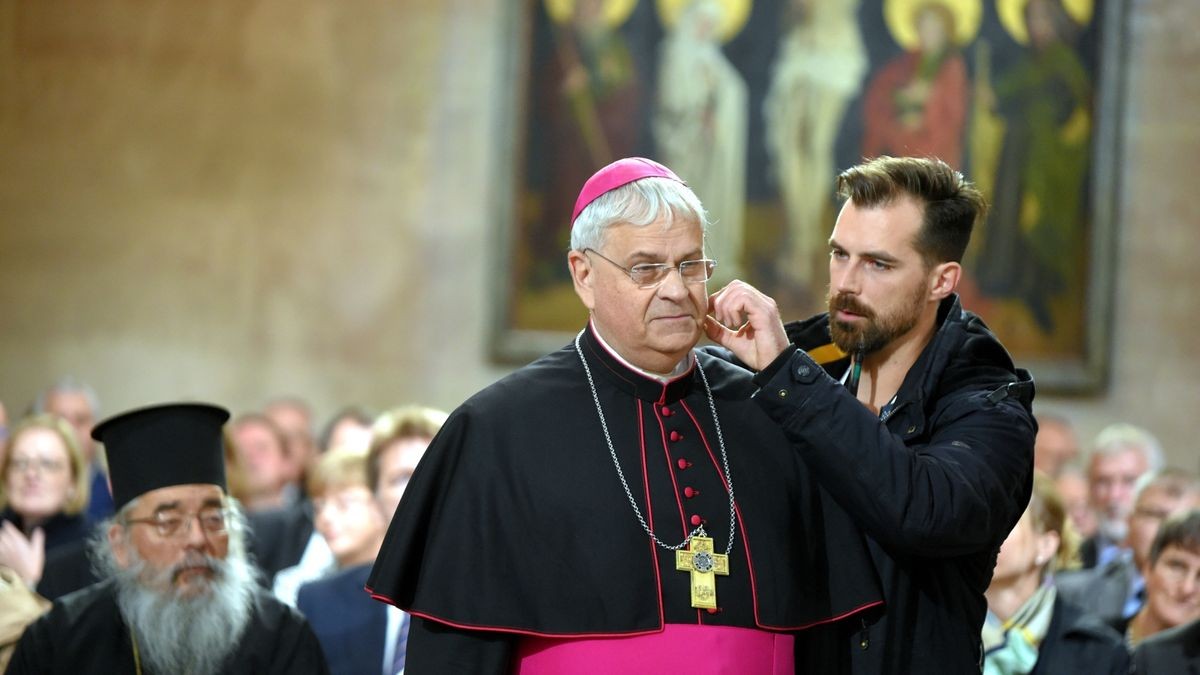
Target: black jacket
1171,652
1078,643
60,530
936,482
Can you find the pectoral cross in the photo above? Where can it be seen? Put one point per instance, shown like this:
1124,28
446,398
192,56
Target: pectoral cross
700,560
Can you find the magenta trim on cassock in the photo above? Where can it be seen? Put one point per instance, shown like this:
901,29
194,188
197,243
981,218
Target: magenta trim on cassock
694,649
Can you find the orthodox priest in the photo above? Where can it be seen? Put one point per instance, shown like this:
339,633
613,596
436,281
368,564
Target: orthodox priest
621,505
178,594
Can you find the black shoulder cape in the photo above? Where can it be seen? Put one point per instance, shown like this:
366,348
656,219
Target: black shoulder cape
515,520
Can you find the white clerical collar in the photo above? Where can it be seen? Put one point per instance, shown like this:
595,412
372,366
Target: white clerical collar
680,368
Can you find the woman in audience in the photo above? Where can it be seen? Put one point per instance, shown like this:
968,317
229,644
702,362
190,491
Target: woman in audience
1172,579
1029,629
346,519
45,490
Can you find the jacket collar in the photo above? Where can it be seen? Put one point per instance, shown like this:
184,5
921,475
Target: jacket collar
943,365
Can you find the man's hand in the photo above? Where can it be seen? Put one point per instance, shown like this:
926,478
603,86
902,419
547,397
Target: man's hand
758,336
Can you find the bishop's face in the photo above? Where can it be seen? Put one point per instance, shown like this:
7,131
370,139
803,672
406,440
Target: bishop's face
652,328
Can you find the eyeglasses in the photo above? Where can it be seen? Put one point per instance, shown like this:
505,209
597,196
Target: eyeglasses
168,524
649,275
40,465
341,502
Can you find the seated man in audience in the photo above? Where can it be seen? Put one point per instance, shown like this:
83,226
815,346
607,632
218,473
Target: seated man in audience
77,403
1116,591
358,634
1172,579
1055,445
294,418
280,520
1123,453
179,596
262,449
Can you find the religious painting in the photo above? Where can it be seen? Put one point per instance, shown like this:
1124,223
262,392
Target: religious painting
759,104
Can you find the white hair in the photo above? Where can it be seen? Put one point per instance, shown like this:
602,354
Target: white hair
67,385
639,203
1121,437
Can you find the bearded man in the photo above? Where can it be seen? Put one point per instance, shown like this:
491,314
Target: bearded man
904,407
178,594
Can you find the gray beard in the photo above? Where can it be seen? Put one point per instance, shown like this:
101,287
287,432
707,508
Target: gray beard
192,635
1114,529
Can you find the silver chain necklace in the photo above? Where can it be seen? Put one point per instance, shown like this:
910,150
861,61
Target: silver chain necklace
612,451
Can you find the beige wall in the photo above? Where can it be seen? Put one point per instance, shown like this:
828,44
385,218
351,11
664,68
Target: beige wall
228,200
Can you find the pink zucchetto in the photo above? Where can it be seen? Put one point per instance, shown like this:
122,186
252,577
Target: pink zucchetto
620,172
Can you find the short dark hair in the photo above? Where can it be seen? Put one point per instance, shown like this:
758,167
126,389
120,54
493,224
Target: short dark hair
353,412
1181,530
951,204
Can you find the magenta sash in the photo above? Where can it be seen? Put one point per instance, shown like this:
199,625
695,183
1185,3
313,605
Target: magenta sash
694,649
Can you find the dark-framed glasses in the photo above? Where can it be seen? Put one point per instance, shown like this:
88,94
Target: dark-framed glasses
170,524
649,275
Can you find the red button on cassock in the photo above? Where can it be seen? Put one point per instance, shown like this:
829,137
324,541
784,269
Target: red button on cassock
676,436
697,520
683,463
667,412
714,610
690,492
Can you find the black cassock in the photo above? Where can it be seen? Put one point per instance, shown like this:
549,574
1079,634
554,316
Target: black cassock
515,521
84,633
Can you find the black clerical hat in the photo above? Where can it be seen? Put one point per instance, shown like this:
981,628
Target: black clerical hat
163,445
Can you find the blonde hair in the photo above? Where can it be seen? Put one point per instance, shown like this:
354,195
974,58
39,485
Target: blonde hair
1048,514
77,498
336,469
410,421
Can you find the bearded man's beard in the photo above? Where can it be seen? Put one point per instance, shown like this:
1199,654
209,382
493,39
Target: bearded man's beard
192,632
1114,529
874,331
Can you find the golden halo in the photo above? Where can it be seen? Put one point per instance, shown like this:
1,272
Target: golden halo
733,19
614,13
1012,15
901,17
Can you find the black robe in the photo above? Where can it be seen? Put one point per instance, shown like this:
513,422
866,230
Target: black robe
515,520
84,633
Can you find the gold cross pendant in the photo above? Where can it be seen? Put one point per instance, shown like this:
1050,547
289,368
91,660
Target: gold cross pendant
700,560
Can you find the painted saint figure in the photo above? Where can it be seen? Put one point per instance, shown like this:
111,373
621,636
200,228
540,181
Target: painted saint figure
819,69
917,103
700,122
1044,102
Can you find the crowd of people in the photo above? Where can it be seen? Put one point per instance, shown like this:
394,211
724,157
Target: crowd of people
1121,557
304,515
865,491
